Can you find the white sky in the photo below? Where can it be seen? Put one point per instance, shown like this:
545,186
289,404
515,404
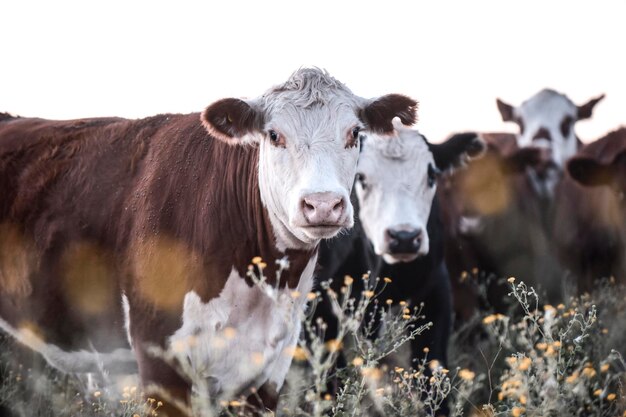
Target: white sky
64,59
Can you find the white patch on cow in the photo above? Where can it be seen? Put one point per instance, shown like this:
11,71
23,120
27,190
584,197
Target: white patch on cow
126,310
119,360
547,110
244,337
315,115
394,192
470,225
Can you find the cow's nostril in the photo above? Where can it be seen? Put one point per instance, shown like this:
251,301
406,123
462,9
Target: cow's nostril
323,208
308,206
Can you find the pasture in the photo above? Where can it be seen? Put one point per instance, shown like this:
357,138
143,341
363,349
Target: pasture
551,361
317,209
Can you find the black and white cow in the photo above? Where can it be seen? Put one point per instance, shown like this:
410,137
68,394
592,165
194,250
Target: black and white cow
398,233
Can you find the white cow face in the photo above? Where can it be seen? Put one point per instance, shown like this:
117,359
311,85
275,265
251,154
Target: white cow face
547,120
307,131
396,182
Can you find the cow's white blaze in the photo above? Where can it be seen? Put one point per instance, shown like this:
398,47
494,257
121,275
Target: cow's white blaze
394,190
245,337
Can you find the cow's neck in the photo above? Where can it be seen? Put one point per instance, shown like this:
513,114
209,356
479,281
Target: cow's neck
245,228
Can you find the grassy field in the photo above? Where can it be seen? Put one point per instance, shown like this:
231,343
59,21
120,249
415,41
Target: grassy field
539,360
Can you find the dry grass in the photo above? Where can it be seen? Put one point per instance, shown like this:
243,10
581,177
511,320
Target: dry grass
561,360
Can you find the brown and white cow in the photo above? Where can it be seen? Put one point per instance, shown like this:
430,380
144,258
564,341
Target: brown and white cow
590,221
114,229
547,120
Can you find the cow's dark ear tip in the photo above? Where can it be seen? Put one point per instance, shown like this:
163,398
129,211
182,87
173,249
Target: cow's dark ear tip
505,109
577,168
588,171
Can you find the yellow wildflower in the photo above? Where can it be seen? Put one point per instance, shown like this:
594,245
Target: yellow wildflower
299,354
572,378
610,397
387,280
589,372
333,345
524,364
348,280
517,411
257,260
511,280
358,361
466,374
368,294
604,368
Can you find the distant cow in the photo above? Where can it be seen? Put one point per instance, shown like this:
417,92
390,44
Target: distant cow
590,227
547,120
497,226
398,232
114,229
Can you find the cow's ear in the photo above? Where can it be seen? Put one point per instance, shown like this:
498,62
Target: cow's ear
585,111
506,110
590,172
379,113
456,150
232,120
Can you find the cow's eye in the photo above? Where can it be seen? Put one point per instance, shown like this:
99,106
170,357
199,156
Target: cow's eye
275,138
360,178
355,132
566,126
432,173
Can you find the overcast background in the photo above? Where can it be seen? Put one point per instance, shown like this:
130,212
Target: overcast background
64,59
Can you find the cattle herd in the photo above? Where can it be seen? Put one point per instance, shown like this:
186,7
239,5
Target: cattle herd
118,235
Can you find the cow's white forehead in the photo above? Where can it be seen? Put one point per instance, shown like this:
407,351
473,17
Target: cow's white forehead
404,149
546,105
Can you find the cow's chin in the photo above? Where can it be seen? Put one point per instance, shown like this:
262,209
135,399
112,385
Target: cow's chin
321,231
396,258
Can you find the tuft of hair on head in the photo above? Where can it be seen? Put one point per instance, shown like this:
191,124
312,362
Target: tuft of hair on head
379,114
